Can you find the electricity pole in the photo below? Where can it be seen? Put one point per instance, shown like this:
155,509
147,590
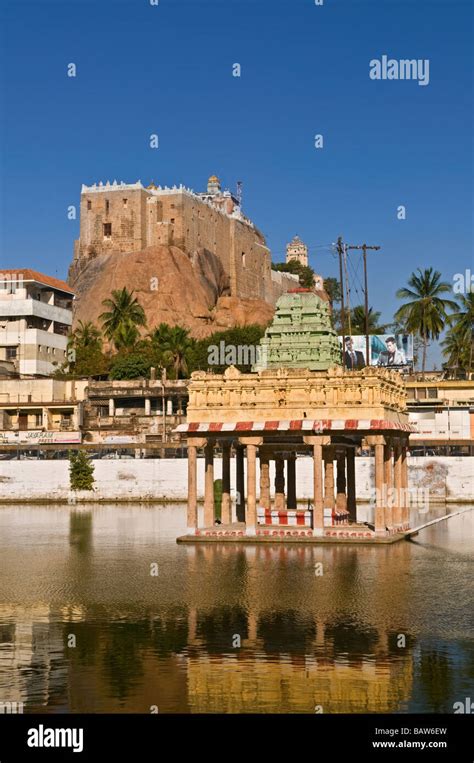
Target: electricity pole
340,251
364,248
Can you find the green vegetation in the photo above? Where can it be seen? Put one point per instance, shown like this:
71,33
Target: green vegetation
458,345
425,313
81,471
304,272
121,322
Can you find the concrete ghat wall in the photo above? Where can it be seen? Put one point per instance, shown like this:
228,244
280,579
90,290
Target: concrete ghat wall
447,478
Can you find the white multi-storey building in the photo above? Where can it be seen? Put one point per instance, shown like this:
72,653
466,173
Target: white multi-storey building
35,318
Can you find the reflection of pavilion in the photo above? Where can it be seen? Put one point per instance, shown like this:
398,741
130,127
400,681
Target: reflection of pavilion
299,648
300,401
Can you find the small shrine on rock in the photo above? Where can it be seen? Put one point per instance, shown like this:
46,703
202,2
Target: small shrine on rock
297,401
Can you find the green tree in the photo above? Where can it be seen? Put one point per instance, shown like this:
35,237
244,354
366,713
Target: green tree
175,348
122,320
239,336
332,288
358,321
425,313
132,365
461,329
81,471
304,272
84,355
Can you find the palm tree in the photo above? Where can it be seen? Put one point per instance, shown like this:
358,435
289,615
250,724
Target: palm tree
174,345
125,312
456,351
425,313
85,335
462,325
358,321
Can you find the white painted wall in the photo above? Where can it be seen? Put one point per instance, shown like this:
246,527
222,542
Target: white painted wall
449,478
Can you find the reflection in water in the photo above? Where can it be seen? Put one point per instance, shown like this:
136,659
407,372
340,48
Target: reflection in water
227,628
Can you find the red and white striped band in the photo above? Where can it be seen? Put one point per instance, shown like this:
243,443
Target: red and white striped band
304,425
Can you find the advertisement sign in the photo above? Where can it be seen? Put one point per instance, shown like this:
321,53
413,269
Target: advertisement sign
36,437
386,350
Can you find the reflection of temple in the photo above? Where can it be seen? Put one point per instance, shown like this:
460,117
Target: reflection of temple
285,409
299,648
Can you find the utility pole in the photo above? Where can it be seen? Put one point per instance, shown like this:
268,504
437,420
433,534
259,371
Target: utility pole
340,251
364,248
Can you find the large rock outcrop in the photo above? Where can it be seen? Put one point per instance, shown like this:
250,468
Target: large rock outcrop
172,287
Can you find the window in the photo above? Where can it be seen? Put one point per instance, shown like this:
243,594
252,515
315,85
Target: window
432,392
11,353
172,221
125,202
89,204
107,230
107,206
243,259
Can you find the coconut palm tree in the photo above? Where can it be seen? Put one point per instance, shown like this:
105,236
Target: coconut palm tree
122,319
175,346
462,326
425,313
85,335
358,321
456,351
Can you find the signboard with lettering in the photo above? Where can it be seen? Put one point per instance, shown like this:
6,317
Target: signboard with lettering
37,437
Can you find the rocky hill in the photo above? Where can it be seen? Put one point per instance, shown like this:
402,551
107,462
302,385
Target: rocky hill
172,287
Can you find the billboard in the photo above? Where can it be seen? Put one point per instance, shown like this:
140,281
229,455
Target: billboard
38,437
388,350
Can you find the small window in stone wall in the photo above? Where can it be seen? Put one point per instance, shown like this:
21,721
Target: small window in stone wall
172,221
89,204
243,259
107,230
107,206
125,202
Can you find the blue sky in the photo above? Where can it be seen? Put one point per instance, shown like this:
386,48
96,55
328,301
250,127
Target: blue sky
167,69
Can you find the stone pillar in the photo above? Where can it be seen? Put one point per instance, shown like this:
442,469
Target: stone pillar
147,406
279,483
317,443
265,501
226,518
209,484
328,454
240,483
341,498
111,406
192,519
351,485
406,497
251,514
291,480
379,491
388,486
397,470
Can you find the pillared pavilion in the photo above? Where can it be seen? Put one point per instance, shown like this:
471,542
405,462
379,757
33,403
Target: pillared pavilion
297,401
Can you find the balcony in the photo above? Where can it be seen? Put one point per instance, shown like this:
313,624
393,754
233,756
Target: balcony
22,308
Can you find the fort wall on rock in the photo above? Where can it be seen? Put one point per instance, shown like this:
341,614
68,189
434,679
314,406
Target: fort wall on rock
124,218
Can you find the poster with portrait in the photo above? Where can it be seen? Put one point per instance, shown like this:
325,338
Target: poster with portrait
386,350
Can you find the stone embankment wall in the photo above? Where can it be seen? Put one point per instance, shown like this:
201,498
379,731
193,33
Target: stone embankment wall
446,478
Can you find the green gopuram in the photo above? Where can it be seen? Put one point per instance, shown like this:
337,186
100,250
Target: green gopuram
300,336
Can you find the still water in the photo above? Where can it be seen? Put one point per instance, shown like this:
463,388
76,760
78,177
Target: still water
86,627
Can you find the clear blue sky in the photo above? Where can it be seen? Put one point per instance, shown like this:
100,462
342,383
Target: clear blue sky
167,69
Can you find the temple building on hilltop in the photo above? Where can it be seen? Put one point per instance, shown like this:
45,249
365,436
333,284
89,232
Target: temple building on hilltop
300,400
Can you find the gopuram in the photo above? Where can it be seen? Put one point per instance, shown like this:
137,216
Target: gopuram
298,401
